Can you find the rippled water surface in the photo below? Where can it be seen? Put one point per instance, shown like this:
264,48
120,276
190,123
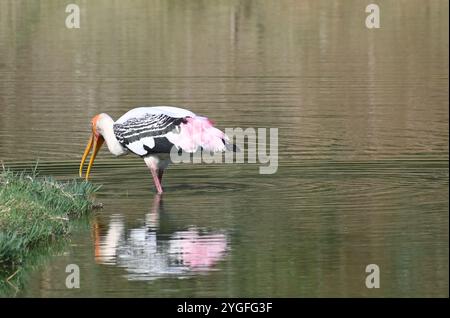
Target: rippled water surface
363,144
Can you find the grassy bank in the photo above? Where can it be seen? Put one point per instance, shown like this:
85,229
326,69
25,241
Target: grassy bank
34,210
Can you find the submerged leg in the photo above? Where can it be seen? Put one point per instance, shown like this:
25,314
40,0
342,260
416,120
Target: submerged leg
152,219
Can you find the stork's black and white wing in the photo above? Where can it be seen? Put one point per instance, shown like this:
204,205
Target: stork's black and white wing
144,130
150,130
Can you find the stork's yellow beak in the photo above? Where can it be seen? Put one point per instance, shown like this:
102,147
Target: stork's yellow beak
96,142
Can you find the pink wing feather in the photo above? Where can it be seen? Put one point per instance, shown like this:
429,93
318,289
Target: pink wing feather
199,132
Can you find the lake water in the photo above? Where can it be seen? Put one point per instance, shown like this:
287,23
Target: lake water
363,144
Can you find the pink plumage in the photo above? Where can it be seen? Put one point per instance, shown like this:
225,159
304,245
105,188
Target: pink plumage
199,132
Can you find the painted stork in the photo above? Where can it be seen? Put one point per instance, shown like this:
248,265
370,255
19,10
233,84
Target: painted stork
151,132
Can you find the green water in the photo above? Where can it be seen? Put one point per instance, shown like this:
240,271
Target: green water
363,144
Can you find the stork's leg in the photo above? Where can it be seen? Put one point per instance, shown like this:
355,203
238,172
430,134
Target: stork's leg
156,180
152,165
160,174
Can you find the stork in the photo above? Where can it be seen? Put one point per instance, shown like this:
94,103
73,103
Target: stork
151,133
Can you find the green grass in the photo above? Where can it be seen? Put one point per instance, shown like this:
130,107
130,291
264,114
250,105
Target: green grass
35,209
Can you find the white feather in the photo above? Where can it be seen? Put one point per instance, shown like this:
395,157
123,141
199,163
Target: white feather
148,141
137,147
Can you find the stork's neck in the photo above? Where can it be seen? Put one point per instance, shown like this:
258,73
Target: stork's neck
105,128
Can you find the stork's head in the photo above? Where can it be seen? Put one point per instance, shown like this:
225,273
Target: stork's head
95,142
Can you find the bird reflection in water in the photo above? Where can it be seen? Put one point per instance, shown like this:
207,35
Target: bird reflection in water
147,254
